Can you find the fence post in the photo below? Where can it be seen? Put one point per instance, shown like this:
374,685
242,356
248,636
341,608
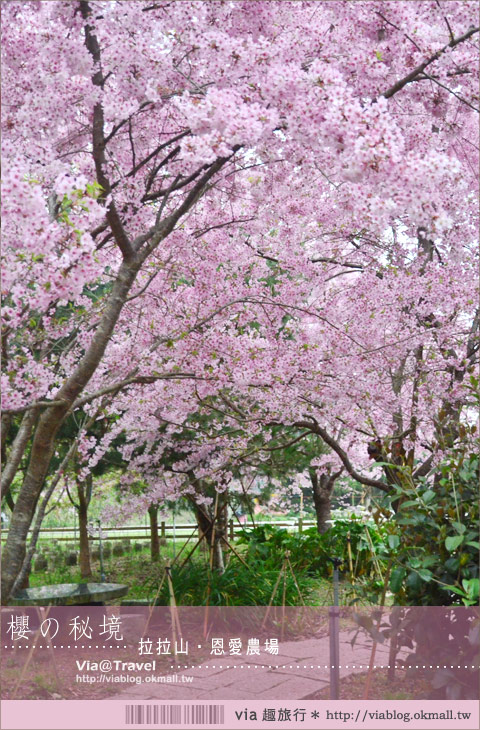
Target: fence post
162,529
230,529
300,525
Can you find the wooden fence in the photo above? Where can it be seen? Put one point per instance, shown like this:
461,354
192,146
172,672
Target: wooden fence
166,530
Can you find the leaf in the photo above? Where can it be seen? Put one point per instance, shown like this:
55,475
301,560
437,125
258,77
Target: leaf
414,581
459,527
410,503
452,564
471,587
474,543
425,574
452,542
408,520
429,560
393,541
454,589
396,579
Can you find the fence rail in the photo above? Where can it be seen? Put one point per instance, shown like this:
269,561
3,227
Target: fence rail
166,530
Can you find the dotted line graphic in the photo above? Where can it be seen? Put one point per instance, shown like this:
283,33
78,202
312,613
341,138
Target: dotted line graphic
249,666
323,666
62,646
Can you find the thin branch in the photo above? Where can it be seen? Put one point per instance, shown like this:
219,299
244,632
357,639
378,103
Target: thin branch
134,380
196,192
335,446
198,233
98,141
450,31
153,154
149,281
424,468
126,120
289,443
399,85
182,183
450,91
36,404
137,379
70,497
132,146
322,259
389,22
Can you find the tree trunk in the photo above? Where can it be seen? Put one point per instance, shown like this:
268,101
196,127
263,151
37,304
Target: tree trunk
221,533
322,487
154,541
48,424
218,563
22,516
25,582
222,520
10,465
82,509
204,521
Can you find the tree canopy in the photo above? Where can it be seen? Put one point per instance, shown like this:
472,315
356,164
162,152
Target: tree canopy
261,210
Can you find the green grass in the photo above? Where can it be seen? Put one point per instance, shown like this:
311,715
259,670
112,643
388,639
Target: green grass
250,576
238,586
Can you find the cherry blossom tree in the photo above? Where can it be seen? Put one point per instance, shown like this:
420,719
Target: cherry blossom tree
271,203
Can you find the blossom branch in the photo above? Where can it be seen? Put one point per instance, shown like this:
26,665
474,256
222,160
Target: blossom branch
99,143
399,85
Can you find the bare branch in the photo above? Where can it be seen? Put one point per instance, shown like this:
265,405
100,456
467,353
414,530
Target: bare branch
389,22
322,259
314,427
149,281
128,119
198,233
169,223
424,468
153,154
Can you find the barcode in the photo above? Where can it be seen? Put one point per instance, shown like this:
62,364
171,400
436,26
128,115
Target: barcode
172,714
153,714
204,714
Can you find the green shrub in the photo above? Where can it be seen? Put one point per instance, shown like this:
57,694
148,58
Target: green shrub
434,538
237,586
310,552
